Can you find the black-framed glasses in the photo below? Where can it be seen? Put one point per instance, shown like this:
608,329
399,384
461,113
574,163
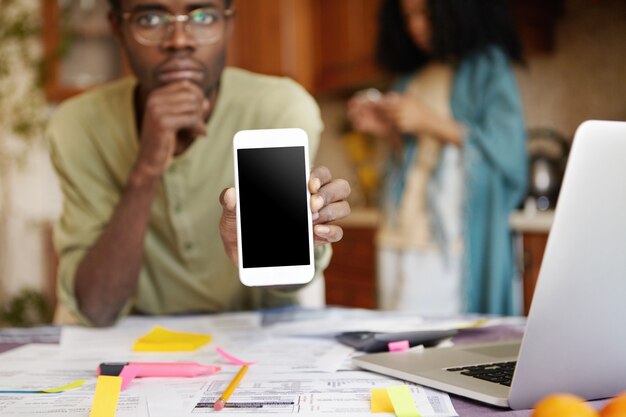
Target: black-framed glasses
151,27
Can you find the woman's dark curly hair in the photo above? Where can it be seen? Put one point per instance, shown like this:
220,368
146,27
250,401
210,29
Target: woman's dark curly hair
459,28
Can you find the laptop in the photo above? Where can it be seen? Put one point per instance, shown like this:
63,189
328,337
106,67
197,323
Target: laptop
575,337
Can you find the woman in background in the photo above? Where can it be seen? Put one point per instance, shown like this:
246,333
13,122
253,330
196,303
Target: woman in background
458,163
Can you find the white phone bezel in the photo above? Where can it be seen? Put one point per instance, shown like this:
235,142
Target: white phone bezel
279,275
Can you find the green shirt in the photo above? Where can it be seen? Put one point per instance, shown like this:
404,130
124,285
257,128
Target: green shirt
94,144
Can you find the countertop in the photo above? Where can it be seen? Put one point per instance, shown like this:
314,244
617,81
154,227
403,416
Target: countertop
520,220
527,221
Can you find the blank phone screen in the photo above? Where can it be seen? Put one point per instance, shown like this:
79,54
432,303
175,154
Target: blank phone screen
273,207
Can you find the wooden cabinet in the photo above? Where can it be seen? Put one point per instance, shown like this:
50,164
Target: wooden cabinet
345,42
351,275
534,229
78,46
325,45
536,21
534,244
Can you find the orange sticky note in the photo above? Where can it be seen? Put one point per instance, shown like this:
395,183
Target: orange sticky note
106,396
380,402
160,339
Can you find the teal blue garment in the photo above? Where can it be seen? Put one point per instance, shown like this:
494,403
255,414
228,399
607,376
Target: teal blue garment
485,99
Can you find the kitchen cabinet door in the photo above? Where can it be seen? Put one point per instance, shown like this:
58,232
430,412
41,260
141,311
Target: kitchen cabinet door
79,49
534,245
345,40
325,45
351,276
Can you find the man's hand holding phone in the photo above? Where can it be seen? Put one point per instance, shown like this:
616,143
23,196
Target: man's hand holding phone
328,203
278,210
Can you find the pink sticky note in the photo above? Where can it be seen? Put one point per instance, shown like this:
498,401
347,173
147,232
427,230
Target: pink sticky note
398,346
129,372
230,358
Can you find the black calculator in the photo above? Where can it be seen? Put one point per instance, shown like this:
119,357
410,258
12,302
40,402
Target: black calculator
379,341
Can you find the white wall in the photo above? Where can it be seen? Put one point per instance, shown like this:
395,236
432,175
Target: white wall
585,77
35,199
32,193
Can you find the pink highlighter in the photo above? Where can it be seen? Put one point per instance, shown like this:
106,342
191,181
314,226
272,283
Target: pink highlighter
130,370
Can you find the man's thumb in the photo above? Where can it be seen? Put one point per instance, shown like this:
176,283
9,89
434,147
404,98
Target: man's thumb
228,199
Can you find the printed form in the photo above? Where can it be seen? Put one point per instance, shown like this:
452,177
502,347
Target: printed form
291,375
336,394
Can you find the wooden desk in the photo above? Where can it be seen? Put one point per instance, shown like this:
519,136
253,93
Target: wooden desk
351,275
464,407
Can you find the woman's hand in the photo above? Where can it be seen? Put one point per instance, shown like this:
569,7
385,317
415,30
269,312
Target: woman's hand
408,114
368,117
411,115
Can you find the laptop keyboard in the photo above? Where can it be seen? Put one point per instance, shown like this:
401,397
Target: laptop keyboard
500,372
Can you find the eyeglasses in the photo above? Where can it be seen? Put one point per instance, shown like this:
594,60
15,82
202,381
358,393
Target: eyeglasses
152,27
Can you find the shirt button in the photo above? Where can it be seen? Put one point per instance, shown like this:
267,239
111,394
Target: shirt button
177,207
188,246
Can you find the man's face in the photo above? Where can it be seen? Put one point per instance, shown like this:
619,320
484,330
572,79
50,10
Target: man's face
181,54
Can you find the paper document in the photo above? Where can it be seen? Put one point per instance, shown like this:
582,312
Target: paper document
75,403
337,394
123,335
291,374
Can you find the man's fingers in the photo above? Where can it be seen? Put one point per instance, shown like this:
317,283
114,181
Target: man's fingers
206,108
336,190
181,121
332,212
320,176
228,199
327,233
228,225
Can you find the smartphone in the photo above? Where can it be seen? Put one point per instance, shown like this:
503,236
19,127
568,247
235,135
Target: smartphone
274,227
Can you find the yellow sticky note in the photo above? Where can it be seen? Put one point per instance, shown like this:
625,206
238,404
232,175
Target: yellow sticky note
380,402
402,400
71,385
106,396
477,323
160,339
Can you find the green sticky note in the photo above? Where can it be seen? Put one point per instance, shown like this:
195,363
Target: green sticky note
160,339
402,400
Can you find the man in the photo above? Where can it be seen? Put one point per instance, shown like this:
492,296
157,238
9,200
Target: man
145,167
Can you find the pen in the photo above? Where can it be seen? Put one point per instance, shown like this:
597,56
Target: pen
158,369
221,401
